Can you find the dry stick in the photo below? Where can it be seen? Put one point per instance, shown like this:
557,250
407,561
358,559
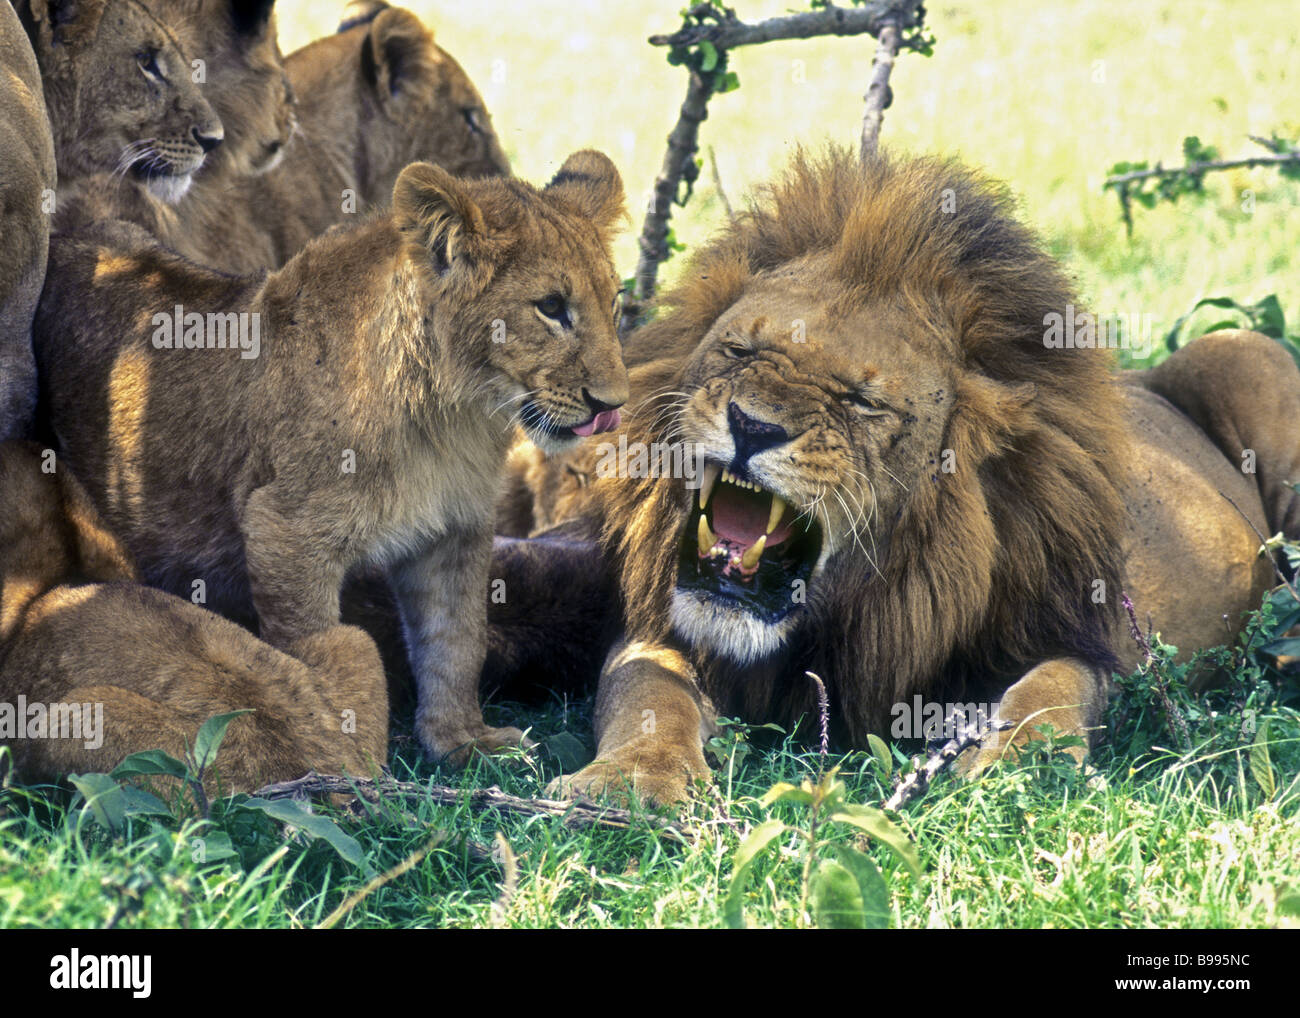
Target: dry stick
1263,543
878,95
717,183
579,814
964,738
1177,723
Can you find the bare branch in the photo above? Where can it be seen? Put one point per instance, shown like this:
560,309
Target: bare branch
965,737
879,94
731,32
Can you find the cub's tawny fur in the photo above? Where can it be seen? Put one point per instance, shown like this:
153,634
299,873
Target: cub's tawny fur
362,419
104,667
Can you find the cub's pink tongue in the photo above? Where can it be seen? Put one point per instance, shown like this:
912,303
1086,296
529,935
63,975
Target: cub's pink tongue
608,420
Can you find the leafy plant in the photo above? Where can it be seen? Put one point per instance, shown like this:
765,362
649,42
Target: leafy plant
1265,316
845,892
114,800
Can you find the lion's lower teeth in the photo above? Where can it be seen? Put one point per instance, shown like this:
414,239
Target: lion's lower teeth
750,559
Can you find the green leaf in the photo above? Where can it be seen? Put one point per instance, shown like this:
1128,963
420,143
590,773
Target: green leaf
836,898
104,799
730,82
880,827
881,752
1288,901
784,792
1261,765
1267,317
871,884
141,803
294,813
208,741
148,764
758,839
1290,647
217,846
708,56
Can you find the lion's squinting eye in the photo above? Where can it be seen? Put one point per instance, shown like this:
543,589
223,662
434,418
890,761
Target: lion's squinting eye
865,405
736,351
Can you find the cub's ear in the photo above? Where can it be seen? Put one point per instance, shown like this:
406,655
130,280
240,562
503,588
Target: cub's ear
251,18
360,12
436,213
396,53
67,22
589,183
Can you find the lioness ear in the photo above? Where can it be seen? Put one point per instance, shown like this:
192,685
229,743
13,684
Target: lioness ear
394,53
590,184
68,22
435,212
251,17
360,12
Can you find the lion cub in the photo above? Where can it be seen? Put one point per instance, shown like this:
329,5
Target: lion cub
258,439
95,667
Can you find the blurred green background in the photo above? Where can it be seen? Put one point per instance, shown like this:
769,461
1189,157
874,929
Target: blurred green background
1046,96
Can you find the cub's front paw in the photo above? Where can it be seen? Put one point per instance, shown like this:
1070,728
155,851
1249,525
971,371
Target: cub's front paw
457,746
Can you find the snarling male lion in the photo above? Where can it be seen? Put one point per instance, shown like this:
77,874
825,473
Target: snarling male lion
906,483
95,667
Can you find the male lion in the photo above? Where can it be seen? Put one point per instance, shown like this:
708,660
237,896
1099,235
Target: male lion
357,415
105,667
372,99
26,176
119,93
906,486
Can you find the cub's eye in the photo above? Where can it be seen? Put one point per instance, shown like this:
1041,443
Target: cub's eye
556,308
474,119
148,62
737,351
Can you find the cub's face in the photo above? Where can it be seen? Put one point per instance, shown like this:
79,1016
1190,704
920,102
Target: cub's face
525,280
124,100
246,80
814,426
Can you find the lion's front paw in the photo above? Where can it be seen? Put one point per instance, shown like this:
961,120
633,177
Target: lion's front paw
458,746
619,778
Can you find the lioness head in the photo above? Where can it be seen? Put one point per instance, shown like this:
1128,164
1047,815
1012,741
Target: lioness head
383,86
891,460
245,77
528,274
120,93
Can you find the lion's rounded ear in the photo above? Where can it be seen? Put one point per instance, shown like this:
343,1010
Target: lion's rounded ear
396,51
67,22
251,18
590,183
360,12
435,211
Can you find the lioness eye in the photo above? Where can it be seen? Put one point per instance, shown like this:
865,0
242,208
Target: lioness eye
736,351
471,116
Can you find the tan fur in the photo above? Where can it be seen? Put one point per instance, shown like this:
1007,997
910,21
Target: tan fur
371,100
76,629
26,173
119,93
881,333
395,358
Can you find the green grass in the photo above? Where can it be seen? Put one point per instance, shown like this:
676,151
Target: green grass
1145,837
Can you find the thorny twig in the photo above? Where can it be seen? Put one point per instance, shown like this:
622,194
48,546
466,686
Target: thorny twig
964,737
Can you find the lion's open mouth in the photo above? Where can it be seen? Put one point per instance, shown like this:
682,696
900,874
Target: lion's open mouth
746,544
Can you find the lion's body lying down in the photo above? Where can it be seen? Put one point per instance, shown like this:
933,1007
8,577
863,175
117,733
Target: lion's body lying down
76,629
981,500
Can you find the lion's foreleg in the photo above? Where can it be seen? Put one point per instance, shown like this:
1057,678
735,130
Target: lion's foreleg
1066,693
651,723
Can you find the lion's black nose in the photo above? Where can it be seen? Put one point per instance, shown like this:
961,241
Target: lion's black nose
599,405
208,140
752,436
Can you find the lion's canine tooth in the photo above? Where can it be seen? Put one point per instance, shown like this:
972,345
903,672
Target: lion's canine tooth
750,559
778,510
711,471
707,537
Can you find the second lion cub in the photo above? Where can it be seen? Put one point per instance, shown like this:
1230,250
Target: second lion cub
260,438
